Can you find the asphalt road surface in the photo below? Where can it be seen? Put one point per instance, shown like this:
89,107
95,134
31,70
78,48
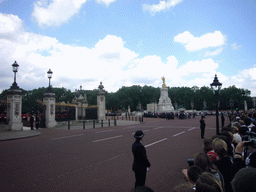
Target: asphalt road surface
101,159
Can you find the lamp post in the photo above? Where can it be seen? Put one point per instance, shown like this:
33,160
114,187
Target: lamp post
49,74
15,67
216,86
192,106
231,103
154,108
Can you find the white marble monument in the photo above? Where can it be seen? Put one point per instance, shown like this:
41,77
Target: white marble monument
165,103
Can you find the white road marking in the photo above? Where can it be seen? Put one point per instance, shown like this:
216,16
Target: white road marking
129,127
108,138
191,129
67,137
156,142
158,128
179,133
105,131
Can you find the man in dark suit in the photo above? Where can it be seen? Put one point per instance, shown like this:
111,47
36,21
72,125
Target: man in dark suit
222,120
140,163
202,126
31,121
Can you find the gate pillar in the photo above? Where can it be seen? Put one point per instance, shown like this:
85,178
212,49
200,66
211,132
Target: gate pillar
14,105
101,102
49,101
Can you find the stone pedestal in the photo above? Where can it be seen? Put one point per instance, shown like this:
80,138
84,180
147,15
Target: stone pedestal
14,106
165,104
49,101
101,103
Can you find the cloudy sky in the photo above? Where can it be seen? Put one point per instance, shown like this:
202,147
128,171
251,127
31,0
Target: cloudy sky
128,42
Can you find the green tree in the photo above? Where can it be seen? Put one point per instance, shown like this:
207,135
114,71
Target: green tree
136,94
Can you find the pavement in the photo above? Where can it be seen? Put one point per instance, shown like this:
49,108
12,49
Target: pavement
27,132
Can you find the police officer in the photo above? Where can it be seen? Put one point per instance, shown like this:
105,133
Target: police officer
37,121
140,163
222,120
32,121
202,126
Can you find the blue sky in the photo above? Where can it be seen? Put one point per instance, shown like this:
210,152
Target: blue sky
128,42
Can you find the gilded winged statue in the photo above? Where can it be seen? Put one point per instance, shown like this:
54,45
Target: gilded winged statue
163,78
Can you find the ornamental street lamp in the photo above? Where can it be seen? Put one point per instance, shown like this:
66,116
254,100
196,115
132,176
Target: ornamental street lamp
49,74
15,67
216,86
192,106
231,103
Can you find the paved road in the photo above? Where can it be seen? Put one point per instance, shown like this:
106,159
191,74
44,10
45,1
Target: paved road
100,159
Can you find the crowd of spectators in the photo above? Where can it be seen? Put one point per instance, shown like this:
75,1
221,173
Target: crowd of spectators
228,160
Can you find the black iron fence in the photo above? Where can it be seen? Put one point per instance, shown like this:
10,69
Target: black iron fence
92,124
126,118
85,124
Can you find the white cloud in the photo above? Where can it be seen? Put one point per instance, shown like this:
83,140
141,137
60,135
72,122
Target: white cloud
207,66
55,12
162,6
192,43
234,46
214,53
10,26
184,37
245,79
108,61
106,2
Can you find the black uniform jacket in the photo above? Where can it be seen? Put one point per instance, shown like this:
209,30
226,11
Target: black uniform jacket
202,124
140,162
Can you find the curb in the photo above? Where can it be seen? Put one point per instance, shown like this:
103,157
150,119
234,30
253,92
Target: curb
17,135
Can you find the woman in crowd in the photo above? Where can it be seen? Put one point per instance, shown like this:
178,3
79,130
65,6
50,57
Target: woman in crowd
224,162
207,182
206,165
207,147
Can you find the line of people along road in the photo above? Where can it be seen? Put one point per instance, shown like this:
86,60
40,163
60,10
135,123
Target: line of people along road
226,164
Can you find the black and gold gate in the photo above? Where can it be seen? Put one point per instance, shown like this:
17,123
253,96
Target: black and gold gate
92,112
